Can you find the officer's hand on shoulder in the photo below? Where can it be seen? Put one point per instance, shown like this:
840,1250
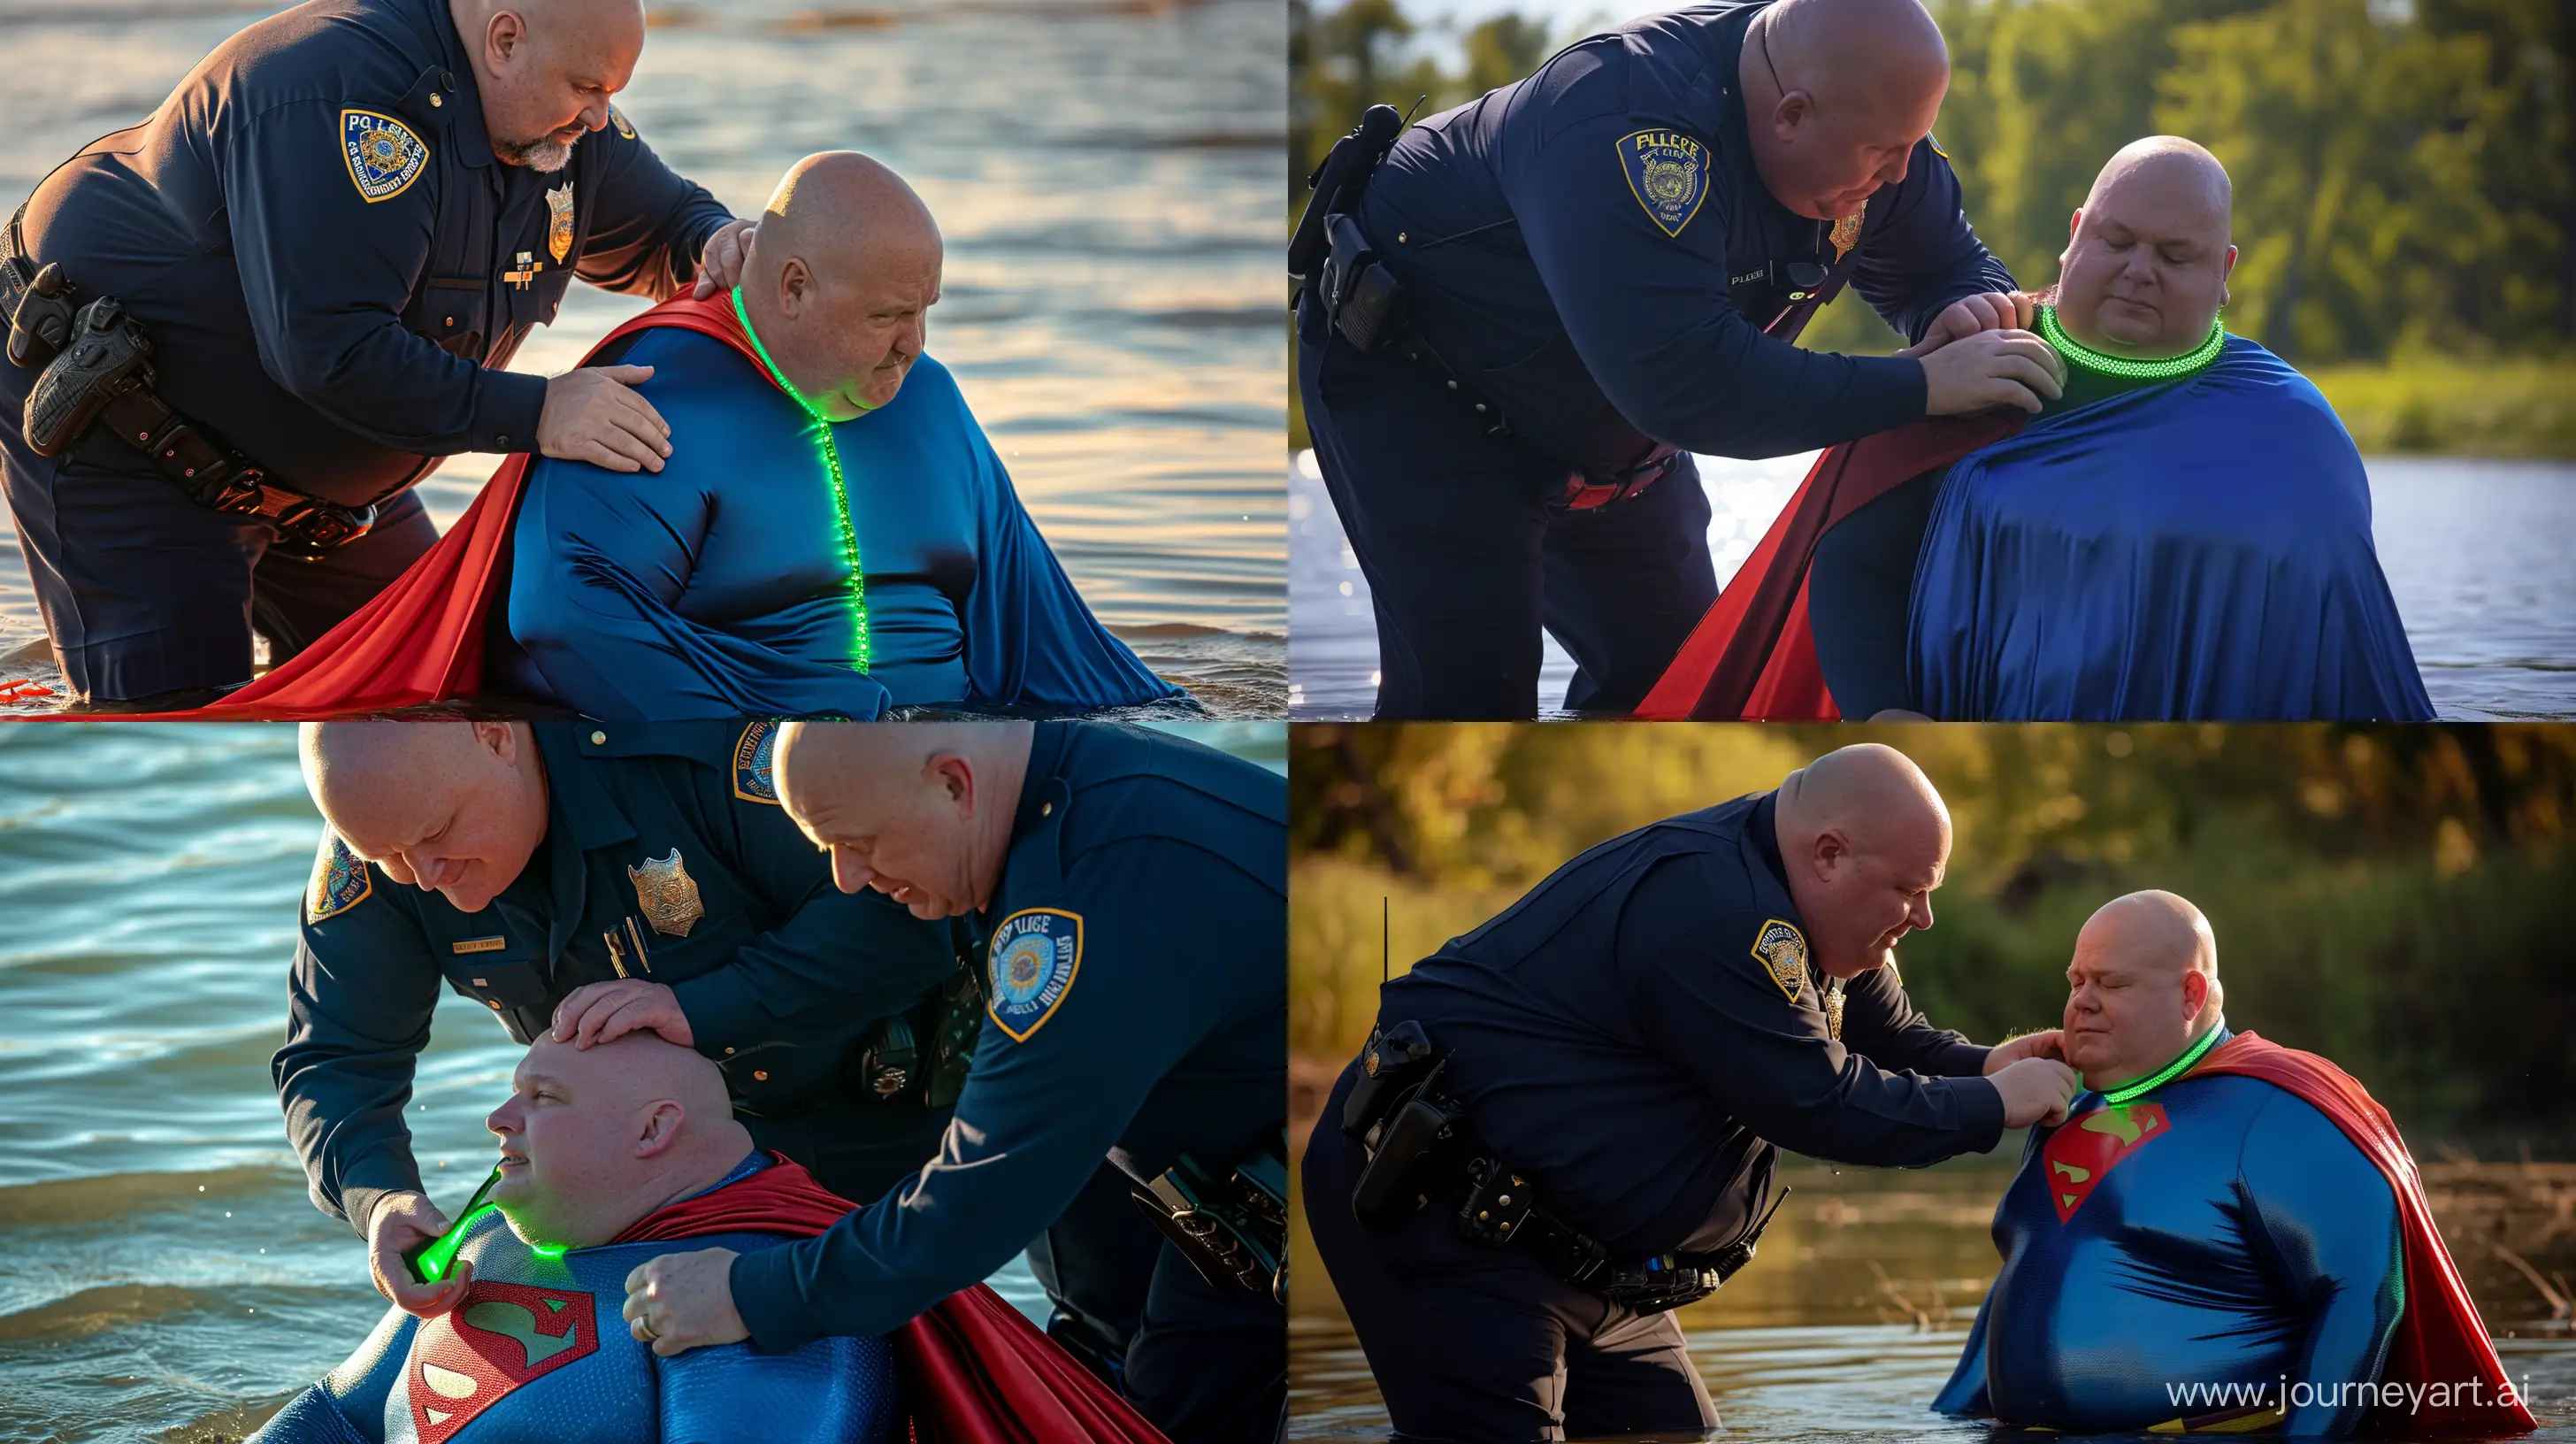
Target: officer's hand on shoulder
1993,311
2036,1091
402,1222
592,415
721,259
596,1013
2048,1043
1991,369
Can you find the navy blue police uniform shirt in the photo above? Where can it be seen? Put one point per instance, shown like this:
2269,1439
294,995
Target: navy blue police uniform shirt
667,857
1136,975
1642,1029
1591,247
334,263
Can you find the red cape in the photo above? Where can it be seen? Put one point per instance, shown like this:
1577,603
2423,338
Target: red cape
1753,656
421,639
2440,1339
974,1370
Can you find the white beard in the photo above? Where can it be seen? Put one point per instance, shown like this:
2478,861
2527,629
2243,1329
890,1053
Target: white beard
542,156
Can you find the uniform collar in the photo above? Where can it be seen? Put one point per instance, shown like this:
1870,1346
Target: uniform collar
1764,827
1041,794
465,96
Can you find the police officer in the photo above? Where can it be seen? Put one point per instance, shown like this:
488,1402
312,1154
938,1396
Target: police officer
1129,890
1564,1124
334,234
637,872
1547,299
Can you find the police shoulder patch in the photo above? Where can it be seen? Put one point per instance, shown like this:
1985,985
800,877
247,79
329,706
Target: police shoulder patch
617,118
340,881
752,755
1668,173
1032,962
1936,145
1782,951
384,156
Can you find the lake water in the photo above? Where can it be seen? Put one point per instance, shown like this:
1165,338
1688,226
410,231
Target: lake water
1107,174
162,1274
1852,1315
2476,554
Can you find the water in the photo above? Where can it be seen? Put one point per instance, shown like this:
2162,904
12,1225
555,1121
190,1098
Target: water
2475,552
161,1271
1853,1314
1107,174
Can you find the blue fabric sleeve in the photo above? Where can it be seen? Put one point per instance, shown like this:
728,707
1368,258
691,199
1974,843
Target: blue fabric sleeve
2325,1220
1651,316
837,1389
1924,255
325,275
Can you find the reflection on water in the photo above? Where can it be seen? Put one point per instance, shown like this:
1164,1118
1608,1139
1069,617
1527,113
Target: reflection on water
1107,176
1853,1314
160,1266
2475,552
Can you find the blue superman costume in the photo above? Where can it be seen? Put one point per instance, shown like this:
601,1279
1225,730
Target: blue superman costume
720,587
2190,1258
2186,548
538,1352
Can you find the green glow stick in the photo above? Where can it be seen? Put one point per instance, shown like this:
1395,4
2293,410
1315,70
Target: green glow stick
2079,354
2175,1069
831,450
429,1262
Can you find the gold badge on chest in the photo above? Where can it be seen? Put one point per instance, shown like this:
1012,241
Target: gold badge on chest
1846,234
559,227
667,894
1833,1000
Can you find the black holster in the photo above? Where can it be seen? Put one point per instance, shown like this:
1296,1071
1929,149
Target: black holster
1232,1228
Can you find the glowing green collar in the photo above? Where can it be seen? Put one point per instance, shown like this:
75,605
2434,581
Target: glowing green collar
831,450
2175,1069
2079,354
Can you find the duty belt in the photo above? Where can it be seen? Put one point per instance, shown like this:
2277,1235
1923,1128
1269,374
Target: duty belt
92,366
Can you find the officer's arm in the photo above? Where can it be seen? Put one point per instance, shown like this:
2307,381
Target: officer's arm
650,224
2327,1228
1881,1024
828,1389
1923,255
1037,1116
358,1008
325,273
838,963
1712,1008
1652,317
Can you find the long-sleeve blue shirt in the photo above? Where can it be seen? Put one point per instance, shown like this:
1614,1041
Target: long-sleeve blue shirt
719,586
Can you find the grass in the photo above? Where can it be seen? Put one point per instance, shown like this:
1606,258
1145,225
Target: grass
2454,407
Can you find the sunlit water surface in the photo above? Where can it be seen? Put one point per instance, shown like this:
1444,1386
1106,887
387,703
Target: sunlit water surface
162,1274
2476,553
1107,176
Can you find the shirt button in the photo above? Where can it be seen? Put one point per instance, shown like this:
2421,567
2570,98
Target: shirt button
436,100
760,1075
598,739
728,1052
1045,808
502,441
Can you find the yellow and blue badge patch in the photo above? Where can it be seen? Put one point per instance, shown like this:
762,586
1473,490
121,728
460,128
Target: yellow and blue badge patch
559,225
1668,174
384,156
753,753
617,118
1032,962
340,881
1782,951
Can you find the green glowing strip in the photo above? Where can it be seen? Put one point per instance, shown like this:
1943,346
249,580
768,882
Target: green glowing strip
2079,354
2170,1071
433,1261
831,449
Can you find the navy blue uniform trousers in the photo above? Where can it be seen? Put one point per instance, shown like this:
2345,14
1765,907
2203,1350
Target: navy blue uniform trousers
1466,560
1482,1345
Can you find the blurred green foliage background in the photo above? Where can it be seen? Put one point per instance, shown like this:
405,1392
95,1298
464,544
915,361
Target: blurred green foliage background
2394,898
2404,201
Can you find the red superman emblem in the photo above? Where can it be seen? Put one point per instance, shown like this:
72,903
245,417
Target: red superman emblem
2077,1156
503,1335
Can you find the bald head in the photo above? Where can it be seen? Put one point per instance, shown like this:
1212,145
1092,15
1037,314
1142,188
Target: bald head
1864,839
594,1139
2143,985
545,70
919,811
452,806
1836,93
2148,256
844,268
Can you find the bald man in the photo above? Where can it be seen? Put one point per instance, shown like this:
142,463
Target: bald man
563,876
610,1157
335,233
837,535
2225,1234
2184,533
1565,1122
1602,270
